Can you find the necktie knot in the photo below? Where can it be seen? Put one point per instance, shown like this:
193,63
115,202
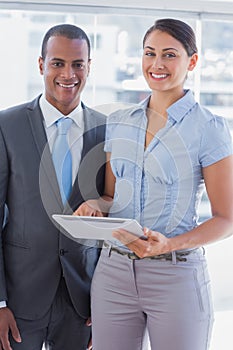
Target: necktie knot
63,125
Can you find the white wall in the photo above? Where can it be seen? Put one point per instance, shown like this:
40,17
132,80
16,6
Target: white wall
14,61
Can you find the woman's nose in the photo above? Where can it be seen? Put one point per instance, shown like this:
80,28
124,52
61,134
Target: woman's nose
158,63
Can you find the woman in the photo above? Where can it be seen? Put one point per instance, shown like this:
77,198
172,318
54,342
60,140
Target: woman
161,153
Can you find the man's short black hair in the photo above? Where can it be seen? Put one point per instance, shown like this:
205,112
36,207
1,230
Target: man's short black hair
69,31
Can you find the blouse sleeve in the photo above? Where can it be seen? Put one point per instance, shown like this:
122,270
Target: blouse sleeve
111,124
216,142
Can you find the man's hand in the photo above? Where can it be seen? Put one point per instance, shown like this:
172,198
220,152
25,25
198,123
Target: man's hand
88,323
8,324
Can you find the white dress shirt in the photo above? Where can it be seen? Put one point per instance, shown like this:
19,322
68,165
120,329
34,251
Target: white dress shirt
75,133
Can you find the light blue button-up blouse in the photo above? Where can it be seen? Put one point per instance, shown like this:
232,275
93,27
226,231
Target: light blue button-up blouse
161,186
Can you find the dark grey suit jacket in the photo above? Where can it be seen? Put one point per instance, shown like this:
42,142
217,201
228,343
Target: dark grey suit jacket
34,254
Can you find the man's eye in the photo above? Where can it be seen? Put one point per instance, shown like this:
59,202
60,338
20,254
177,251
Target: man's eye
57,64
79,66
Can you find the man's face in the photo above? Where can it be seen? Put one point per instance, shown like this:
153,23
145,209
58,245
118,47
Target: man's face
65,69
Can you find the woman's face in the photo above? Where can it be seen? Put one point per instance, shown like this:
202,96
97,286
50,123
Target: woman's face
165,62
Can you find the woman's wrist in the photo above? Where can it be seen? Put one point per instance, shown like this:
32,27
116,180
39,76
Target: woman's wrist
105,203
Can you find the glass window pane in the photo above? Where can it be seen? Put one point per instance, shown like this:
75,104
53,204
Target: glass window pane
216,67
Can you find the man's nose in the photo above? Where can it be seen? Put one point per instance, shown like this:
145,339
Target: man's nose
68,72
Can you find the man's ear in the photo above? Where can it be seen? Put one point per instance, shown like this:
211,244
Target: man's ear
88,66
41,65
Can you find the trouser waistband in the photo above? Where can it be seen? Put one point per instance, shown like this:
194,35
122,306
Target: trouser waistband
173,256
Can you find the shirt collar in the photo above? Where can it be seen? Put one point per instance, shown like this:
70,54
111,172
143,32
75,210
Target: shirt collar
52,114
141,105
180,108
177,110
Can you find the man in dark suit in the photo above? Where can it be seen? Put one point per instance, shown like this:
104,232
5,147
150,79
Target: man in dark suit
45,277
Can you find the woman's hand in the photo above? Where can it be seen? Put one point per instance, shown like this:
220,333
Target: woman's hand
155,243
95,207
89,208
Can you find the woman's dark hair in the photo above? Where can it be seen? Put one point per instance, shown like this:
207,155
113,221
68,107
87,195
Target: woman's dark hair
68,31
179,30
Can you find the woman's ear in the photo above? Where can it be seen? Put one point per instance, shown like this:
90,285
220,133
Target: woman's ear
193,61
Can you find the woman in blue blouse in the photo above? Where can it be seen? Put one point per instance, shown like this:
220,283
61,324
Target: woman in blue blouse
161,154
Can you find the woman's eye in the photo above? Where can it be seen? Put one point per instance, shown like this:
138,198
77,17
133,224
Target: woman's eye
170,55
149,54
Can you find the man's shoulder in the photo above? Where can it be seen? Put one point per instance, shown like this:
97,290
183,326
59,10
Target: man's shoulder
94,116
17,110
97,113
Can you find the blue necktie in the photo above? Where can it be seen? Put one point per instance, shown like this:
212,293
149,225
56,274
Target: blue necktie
62,158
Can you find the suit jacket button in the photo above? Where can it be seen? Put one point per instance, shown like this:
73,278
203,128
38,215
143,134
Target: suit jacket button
62,251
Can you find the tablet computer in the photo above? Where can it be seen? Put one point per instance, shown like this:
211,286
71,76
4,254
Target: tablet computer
100,228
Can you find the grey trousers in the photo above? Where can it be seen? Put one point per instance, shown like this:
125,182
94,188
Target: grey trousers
167,301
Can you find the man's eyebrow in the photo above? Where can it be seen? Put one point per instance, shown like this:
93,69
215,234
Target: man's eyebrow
61,60
79,60
57,59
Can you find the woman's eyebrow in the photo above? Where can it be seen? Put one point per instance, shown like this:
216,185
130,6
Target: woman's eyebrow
166,49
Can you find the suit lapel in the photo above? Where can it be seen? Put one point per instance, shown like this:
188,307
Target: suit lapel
47,171
89,141
89,137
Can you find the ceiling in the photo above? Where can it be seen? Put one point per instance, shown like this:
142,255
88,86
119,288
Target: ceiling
202,8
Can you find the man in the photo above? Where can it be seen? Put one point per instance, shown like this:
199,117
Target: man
44,276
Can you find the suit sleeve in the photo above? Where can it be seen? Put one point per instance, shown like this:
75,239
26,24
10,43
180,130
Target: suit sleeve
4,174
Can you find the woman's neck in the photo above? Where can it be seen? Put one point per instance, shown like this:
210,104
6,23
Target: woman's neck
160,101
